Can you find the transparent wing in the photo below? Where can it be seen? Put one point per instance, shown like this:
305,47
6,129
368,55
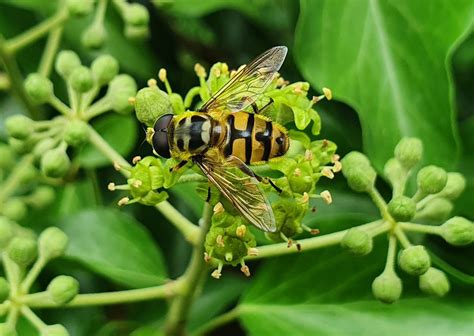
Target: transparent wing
247,84
241,190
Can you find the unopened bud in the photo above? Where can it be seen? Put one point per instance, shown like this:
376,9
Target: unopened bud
81,79
66,62
6,231
436,209
120,89
76,133
409,151
52,243
136,15
414,260
402,208
94,36
458,231
431,179
39,88
55,163
387,287
19,126
394,171
80,7
357,241
14,209
22,251
42,196
63,289
4,289
6,156
455,185
104,69
360,179
434,282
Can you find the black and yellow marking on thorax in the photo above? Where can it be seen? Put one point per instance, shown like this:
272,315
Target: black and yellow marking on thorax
192,133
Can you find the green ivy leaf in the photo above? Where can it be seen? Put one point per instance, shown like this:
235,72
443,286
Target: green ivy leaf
328,293
119,131
388,61
113,244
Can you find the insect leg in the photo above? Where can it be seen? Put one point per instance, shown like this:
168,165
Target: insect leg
257,110
178,166
208,198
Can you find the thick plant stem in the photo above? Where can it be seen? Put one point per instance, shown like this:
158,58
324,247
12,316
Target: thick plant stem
218,322
41,300
317,242
178,313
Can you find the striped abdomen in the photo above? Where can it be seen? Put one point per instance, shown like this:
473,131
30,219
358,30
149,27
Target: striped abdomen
253,139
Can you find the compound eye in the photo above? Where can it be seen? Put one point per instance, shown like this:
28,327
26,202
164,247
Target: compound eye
160,136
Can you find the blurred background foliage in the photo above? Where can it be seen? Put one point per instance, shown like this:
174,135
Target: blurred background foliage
396,68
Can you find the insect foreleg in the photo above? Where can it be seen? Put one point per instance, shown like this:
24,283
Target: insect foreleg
178,166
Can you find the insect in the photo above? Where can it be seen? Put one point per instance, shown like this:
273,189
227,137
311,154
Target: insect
222,137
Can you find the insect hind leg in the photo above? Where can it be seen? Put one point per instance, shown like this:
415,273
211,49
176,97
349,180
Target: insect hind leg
246,170
257,110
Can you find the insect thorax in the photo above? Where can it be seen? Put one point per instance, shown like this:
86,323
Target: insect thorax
191,133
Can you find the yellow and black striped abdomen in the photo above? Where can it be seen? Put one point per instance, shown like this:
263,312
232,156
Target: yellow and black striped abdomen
253,138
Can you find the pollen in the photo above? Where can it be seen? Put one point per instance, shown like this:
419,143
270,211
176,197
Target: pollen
111,186
337,166
123,201
327,197
298,88
245,269
216,274
327,93
220,241
117,166
252,251
218,208
136,159
308,155
297,172
207,257
241,231
305,198
151,82
200,71
132,100
162,74
137,183
335,158
327,172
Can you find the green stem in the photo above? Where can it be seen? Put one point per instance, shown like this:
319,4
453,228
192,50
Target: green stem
11,183
103,147
218,322
178,313
419,195
12,272
33,274
36,32
402,237
188,100
12,317
429,229
41,300
16,79
187,178
392,249
380,203
60,106
99,107
316,242
49,52
33,318
4,82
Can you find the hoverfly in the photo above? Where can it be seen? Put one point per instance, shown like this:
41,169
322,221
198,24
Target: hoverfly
221,137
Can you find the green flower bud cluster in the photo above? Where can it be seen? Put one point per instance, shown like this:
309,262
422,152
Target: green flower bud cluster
432,201
147,179
289,213
21,249
228,241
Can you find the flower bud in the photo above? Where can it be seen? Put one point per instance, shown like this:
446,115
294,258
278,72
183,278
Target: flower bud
66,62
394,171
39,88
136,15
54,330
151,103
414,260
436,209
76,133
177,103
136,33
63,289
80,7
6,231
354,159
14,209
19,126
42,196
458,231
387,287
455,185
402,208
55,163
22,251
6,156
20,146
4,289
27,174
42,147
121,88
104,69
52,243
431,179
357,241
81,79
434,282
7,329
409,151
360,179
94,37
